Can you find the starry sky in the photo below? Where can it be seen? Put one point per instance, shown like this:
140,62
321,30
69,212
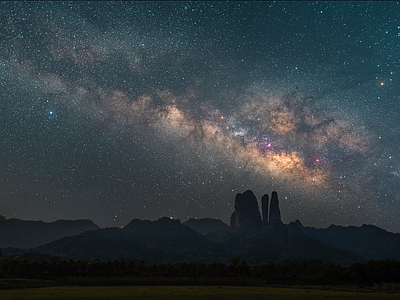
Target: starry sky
112,111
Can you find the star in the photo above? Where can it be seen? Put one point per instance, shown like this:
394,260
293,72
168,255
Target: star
141,101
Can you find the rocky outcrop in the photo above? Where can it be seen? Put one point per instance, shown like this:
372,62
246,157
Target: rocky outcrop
275,213
264,209
246,214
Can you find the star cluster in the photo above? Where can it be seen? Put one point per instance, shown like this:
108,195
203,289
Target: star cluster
118,110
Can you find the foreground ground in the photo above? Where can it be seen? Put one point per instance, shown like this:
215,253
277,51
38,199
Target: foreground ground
185,292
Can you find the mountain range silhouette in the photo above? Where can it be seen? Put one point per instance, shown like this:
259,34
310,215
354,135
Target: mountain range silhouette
253,238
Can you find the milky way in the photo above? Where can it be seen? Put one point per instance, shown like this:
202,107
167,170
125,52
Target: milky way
115,111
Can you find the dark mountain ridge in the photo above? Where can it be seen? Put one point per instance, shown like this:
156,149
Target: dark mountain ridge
152,241
279,241
206,225
211,240
368,241
28,234
168,240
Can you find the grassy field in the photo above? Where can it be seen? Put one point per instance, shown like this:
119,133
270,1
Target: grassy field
183,292
20,283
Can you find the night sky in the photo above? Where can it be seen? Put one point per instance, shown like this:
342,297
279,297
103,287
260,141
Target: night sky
112,111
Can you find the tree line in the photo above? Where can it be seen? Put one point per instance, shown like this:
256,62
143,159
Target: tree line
237,272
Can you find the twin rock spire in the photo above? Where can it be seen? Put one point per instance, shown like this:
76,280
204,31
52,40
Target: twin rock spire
247,214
